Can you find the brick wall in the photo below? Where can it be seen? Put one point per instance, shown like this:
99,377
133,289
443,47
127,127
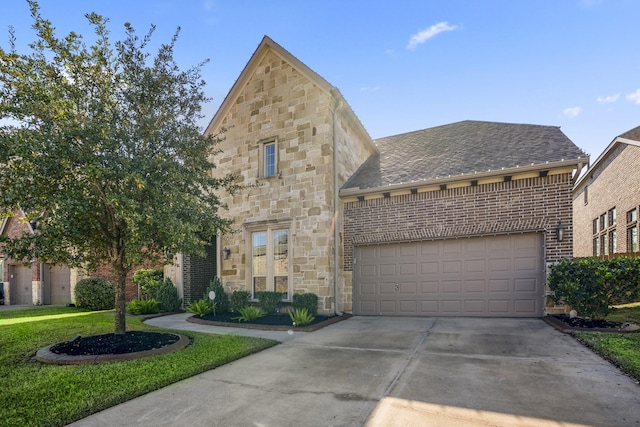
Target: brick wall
197,274
614,183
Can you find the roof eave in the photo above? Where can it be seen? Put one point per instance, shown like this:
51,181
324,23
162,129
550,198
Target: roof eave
601,158
577,163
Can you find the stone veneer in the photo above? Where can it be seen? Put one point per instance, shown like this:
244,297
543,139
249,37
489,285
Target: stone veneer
280,102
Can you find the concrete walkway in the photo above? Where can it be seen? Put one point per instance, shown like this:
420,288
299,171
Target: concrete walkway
378,371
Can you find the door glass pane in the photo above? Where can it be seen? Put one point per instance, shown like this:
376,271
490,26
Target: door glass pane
282,285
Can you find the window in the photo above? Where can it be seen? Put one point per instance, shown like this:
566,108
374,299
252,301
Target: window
604,233
613,244
612,217
632,215
632,239
270,262
586,194
268,158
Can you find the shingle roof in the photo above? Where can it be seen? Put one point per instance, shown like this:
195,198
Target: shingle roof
461,148
633,134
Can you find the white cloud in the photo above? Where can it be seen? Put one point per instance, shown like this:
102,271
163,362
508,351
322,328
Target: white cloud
608,99
572,112
635,96
428,33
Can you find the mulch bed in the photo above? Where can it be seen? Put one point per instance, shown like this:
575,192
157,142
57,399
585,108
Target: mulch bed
281,322
564,323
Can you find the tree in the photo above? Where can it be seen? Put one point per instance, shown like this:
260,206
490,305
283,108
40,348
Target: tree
100,148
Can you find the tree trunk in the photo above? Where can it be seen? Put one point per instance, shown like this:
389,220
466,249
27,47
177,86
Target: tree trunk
121,291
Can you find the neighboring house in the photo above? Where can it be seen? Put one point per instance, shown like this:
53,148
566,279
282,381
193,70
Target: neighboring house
34,283
456,220
606,200
38,283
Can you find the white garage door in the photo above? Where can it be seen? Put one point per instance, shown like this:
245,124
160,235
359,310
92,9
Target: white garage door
479,276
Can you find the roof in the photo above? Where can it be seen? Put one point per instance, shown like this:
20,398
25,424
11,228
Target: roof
630,137
462,148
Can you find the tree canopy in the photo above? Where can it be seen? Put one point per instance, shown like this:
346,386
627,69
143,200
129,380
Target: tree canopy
101,149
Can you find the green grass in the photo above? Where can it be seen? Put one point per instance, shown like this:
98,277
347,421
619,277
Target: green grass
38,394
621,349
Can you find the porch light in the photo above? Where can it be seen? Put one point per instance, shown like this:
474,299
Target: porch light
226,252
560,231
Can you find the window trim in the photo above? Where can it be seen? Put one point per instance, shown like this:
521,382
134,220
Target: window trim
604,233
262,157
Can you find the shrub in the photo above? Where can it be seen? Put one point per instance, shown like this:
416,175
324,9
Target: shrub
95,293
306,301
201,308
138,306
301,317
222,299
624,271
239,300
582,285
168,297
270,302
148,281
249,314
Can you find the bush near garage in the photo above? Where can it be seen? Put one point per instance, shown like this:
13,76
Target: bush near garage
95,293
591,286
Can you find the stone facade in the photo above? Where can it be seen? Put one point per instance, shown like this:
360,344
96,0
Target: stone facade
612,183
320,143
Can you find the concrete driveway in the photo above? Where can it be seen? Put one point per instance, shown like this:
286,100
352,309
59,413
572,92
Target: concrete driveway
378,371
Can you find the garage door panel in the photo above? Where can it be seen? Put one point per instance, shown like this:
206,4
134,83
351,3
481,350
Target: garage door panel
475,286
499,285
480,276
429,287
429,268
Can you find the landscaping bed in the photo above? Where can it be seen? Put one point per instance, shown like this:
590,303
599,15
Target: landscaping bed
565,323
279,322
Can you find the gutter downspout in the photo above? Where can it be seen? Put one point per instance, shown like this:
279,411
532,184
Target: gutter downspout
336,206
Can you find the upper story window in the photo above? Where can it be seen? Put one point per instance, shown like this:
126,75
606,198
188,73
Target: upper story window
268,157
612,217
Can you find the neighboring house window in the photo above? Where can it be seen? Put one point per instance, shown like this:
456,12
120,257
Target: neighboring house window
270,262
268,158
604,233
632,230
613,243
612,217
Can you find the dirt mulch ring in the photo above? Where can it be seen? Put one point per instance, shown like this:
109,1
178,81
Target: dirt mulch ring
112,347
267,323
564,323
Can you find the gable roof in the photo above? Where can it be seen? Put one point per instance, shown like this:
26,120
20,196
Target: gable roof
265,46
630,137
463,148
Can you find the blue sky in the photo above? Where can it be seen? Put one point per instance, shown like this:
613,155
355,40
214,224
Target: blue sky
409,65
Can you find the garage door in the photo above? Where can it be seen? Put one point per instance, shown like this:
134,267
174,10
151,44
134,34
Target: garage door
20,284
57,285
480,276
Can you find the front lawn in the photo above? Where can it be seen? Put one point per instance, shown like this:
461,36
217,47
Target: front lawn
622,349
37,394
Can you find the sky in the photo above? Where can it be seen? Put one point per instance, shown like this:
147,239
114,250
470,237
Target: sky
406,65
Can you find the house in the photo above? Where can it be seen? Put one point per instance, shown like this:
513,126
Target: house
455,220
38,283
606,200
35,283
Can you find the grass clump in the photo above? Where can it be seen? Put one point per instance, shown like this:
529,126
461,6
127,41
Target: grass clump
74,392
202,307
148,306
621,349
301,317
